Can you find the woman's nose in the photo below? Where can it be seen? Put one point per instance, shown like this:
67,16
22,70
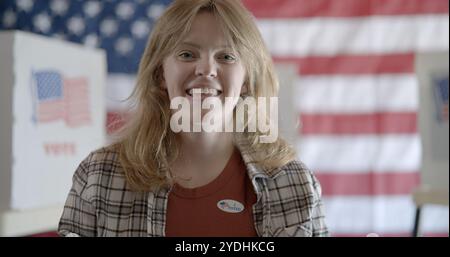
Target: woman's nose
206,67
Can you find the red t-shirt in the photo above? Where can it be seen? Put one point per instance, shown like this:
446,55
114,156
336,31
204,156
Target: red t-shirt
223,207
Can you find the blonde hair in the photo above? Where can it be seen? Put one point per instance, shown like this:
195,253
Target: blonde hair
147,146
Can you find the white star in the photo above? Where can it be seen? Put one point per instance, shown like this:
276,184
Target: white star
91,40
125,10
42,22
140,28
59,7
92,8
124,45
25,5
9,18
76,25
108,27
155,10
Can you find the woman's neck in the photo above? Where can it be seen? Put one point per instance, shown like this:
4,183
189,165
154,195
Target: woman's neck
202,157
201,145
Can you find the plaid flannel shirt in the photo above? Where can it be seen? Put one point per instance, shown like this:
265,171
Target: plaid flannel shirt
100,203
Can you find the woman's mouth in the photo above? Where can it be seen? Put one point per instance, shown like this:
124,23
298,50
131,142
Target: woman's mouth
204,92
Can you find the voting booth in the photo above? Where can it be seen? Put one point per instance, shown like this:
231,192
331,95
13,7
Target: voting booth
432,71
52,115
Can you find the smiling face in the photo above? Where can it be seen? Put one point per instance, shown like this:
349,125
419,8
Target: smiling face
204,60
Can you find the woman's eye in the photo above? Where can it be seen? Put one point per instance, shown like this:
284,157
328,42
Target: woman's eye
186,55
228,57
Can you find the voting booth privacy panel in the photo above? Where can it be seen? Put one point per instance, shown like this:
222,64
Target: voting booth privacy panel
52,115
433,74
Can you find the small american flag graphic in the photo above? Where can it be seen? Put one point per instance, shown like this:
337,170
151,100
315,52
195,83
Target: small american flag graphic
441,98
59,98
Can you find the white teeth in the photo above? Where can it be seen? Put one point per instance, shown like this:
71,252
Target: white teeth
206,91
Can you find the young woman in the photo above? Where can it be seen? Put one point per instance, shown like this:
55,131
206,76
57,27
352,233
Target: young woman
157,182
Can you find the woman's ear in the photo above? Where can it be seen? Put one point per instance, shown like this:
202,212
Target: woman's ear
163,84
160,78
244,89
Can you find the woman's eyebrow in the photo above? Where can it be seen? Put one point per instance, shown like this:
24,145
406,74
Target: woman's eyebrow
188,43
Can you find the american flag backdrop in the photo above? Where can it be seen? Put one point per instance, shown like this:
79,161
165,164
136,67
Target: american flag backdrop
356,90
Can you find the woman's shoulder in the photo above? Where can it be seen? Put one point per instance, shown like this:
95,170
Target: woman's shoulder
106,154
296,168
103,158
297,174
99,163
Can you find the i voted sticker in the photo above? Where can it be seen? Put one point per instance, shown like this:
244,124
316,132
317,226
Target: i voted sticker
231,206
